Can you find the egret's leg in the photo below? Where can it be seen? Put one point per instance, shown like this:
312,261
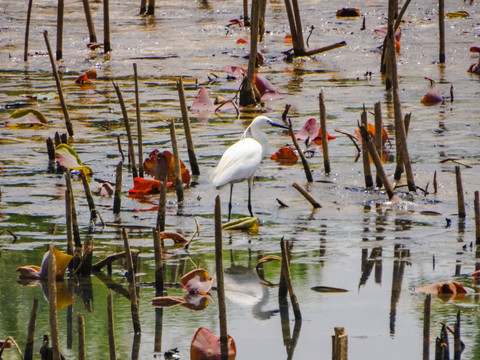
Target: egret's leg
250,183
230,202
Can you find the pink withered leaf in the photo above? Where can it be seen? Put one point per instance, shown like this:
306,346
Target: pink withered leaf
197,281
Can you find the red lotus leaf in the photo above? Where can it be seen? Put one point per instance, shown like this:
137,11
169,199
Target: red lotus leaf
143,186
197,281
475,49
235,71
238,22
371,131
432,98
447,290
167,301
318,139
161,165
309,130
285,156
241,41
266,89
5,344
288,39
87,77
206,346
476,274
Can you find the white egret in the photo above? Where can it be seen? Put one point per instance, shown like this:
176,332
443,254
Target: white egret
242,159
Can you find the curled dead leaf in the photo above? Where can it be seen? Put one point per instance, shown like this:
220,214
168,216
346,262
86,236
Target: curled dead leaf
206,346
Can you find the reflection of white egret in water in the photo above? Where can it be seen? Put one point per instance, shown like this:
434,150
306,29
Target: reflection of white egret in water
243,287
241,160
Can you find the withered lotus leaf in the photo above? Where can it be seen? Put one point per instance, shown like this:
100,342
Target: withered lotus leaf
197,281
5,344
432,98
285,156
167,301
288,39
67,157
447,290
457,14
206,346
244,223
241,41
235,71
176,237
309,130
202,102
143,186
35,272
318,139
197,302
266,89
371,131
161,165
26,117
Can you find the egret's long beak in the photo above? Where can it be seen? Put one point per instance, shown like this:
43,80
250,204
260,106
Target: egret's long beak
278,125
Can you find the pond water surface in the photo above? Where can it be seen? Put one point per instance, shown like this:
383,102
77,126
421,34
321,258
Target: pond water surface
356,241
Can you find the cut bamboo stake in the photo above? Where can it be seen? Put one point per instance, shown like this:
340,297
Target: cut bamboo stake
187,128
246,20
157,245
60,10
81,337
91,203
131,150
288,278
247,92
365,156
377,161
378,136
222,311
441,30
323,125
88,16
261,18
111,327
151,7
31,331
117,201
306,195
460,195
52,300
139,123
426,327
106,27
132,285
477,218
339,344
27,29
176,159
68,222
68,123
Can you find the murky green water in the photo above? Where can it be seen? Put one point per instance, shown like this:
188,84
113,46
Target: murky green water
381,316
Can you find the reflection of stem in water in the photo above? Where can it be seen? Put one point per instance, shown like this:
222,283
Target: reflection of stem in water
401,256
111,327
132,285
81,337
426,327
158,329
136,346
31,331
369,263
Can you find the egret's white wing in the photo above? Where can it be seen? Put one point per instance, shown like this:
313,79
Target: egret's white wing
238,163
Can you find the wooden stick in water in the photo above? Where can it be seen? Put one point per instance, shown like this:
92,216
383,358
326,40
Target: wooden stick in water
132,285
52,301
188,133
139,123
220,281
131,150
460,194
323,125
60,10
27,29
176,158
306,195
378,136
106,27
426,327
31,331
157,245
81,337
441,30
151,7
339,344
288,278
111,327
117,201
477,217
91,203
68,123
88,16
365,156
143,7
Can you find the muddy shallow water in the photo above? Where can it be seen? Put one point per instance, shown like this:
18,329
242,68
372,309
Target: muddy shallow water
356,241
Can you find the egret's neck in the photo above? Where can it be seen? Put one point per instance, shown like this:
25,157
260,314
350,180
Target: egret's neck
258,135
